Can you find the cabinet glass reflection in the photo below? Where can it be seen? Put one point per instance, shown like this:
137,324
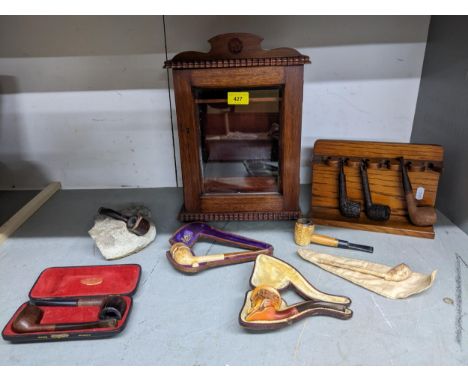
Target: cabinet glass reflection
240,143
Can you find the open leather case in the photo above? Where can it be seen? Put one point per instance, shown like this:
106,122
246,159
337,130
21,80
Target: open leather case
264,309
182,257
81,302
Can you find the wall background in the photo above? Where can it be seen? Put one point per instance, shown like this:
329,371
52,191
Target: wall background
442,111
85,100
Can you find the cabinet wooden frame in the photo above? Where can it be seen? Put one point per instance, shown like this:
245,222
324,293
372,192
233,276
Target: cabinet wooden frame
199,205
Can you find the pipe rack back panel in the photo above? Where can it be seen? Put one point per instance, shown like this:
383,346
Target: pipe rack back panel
426,162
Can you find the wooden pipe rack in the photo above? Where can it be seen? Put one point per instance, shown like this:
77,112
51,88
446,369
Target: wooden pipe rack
425,166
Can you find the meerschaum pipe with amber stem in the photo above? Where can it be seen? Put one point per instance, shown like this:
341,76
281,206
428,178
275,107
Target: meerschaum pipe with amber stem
266,306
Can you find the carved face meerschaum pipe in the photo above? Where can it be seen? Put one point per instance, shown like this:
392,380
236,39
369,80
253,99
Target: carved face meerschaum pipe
183,255
348,207
266,306
29,321
378,212
420,216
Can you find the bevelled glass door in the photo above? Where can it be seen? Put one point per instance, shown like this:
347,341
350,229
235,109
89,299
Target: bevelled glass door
240,139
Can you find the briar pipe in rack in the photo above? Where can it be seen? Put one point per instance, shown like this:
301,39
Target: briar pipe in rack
379,212
29,321
348,207
110,306
136,224
419,216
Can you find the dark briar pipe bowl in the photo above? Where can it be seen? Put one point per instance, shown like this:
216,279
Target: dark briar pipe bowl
138,225
348,208
377,212
113,307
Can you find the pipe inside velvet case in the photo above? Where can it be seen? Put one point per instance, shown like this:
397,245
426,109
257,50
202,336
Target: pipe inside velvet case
29,321
182,256
110,306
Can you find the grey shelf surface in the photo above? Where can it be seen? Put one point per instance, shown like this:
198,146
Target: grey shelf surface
193,320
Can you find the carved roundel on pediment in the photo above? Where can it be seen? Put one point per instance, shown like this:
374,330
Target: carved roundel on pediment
235,45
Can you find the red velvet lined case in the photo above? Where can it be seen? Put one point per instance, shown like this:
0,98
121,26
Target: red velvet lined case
70,283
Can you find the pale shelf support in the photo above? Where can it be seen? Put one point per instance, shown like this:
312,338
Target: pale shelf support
10,226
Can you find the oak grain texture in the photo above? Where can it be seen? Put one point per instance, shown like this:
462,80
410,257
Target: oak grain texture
200,203
240,184
189,138
384,180
236,50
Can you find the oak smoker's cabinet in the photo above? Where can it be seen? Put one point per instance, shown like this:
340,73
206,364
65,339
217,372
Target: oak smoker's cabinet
239,111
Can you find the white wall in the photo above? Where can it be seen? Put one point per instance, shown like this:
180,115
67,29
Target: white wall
442,114
85,99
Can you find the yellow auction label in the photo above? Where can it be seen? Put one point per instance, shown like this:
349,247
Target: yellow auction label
238,98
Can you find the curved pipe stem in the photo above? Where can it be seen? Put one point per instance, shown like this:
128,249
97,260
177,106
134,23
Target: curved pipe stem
405,178
348,207
112,214
110,306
